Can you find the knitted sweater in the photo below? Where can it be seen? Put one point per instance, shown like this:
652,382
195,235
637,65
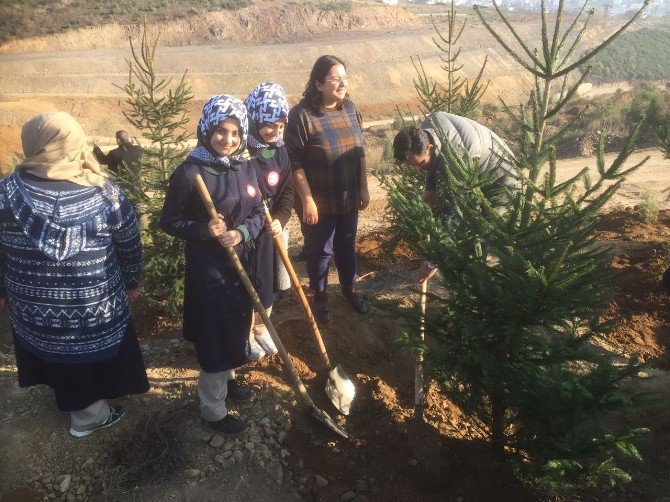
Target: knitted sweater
67,260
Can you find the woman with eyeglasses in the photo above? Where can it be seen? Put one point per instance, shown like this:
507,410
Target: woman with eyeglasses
326,148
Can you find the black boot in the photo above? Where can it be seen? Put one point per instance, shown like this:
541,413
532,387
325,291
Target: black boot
320,307
355,299
239,393
228,426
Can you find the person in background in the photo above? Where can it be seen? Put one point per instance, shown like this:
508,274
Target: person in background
125,154
268,110
420,147
325,144
70,263
218,311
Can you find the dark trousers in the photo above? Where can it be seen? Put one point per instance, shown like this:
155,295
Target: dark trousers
334,233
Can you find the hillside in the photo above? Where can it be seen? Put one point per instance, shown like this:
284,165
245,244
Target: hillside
79,70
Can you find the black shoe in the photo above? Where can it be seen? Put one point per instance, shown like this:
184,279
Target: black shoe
115,414
238,393
228,426
320,307
356,300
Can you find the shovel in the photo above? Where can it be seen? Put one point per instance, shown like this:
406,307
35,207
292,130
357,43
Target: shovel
339,388
422,437
298,386
418,367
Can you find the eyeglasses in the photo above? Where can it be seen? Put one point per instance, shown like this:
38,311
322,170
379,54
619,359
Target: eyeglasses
337,80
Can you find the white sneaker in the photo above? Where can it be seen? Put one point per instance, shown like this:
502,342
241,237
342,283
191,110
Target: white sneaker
265,341
253,350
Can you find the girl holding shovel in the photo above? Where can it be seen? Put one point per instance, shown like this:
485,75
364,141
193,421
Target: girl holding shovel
217,308
268,110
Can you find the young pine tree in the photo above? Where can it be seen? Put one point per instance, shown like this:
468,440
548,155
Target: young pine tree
514,339
158,110
456,94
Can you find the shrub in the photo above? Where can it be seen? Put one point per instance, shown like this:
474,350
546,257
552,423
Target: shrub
648,209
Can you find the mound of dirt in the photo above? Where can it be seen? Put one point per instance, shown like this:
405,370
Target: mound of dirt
641,253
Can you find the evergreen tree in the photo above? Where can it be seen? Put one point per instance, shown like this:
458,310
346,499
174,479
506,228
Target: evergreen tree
514,339
457,94
158,110
662,132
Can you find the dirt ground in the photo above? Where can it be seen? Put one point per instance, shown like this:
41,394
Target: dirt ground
290,456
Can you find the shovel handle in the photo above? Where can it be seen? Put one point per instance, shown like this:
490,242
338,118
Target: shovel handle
298,386
301,294
418,367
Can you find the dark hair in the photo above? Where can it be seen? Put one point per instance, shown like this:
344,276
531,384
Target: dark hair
319,71
123,137
410,140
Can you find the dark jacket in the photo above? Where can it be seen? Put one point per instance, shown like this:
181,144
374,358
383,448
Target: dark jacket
217,307
275,179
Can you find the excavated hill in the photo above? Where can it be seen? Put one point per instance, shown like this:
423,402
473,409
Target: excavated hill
80,71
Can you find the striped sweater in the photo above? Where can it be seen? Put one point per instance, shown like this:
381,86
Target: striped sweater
67,260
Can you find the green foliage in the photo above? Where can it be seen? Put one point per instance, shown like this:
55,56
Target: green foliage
649,209
652,103
336,5
158,110
513,342
634,56
457,94
662,132
30,18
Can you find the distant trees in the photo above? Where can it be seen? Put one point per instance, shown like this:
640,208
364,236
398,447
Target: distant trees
638,55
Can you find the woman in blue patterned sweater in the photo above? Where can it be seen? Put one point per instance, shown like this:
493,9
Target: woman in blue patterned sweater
217,308
70,261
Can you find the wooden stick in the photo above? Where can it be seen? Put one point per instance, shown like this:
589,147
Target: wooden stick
301,294
298,386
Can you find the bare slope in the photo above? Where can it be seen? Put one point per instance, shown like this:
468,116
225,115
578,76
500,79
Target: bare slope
262,23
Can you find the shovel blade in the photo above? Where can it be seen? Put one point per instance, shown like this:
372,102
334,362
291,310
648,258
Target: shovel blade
324,417
340,390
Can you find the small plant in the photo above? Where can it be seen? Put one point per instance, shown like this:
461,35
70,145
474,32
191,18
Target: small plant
8,168
158,110
152,451
648,209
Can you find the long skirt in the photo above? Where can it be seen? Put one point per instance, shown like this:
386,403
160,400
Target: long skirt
80,385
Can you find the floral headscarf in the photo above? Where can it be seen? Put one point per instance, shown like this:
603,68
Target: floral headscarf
217,109
266,104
